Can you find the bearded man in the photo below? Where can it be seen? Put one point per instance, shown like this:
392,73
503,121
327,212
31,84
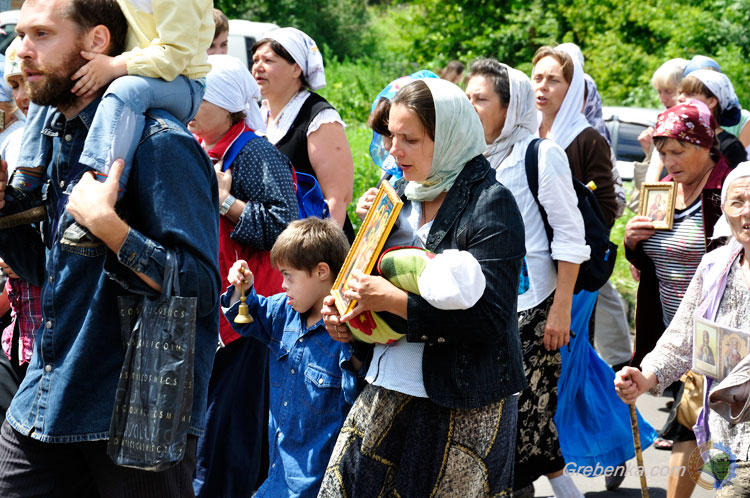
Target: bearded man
53,442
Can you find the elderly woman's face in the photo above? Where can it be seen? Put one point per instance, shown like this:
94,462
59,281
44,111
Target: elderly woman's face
486,102
687,163
549,85
273,74
210,123
737,210
411,147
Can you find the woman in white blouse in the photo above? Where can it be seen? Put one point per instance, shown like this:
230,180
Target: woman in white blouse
504,100
288,68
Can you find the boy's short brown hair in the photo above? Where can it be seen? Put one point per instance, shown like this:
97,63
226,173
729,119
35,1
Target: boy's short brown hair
221,22
307,242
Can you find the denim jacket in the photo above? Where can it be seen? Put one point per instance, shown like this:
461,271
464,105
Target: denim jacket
311,390
69,388
473,357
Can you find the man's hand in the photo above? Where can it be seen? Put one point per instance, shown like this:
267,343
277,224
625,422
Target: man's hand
97,73
92,203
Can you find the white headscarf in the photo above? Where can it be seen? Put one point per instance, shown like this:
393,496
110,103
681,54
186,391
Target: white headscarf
722,228
12,61
305,53
230,86
520,120
572,50
570,121
459,137
720,86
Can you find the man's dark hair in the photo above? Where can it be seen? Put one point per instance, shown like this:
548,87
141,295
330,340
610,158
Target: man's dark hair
88,14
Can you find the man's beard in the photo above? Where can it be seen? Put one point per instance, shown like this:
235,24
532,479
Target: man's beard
53,88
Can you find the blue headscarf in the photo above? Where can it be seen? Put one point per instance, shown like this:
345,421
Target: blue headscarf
5,92
378,152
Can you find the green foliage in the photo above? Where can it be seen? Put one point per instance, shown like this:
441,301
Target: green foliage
341,25
366,174
351,86
623,41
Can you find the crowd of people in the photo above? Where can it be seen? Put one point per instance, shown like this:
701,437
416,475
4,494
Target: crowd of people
131,140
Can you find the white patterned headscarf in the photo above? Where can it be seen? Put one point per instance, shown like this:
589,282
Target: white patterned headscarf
722,88
570,121
305,53
230,86
520,119
459,137
12,61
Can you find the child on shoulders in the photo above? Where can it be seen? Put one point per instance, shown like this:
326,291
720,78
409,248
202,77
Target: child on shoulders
164,67
313,379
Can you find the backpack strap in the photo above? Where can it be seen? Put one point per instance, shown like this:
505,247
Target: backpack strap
532,177
236,147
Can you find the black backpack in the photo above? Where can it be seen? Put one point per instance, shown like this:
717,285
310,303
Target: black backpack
595,272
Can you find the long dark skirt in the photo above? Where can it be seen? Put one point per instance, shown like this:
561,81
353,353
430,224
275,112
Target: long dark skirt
393,444
232,459
537,446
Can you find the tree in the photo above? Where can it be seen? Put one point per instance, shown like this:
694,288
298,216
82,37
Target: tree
339,27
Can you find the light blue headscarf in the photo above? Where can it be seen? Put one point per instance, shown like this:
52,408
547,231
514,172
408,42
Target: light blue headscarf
459,137
380,156
5,92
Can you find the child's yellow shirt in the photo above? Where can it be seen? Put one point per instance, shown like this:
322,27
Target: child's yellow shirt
168,38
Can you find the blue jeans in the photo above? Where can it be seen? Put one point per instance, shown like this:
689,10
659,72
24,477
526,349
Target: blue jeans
118,123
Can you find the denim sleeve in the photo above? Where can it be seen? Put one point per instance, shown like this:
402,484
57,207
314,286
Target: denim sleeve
165,212
260,308
493,233
262,178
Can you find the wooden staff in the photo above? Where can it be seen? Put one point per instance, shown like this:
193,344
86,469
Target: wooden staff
638,452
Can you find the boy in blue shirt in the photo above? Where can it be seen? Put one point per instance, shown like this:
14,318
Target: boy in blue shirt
313,379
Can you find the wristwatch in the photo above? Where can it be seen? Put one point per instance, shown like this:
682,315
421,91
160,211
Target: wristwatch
226,205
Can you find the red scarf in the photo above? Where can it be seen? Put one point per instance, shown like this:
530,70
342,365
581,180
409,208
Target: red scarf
217,152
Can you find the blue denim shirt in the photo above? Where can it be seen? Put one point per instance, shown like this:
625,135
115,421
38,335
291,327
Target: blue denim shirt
69,388
311,391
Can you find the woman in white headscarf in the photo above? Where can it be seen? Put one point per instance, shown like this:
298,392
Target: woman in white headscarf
438,415
718,292
716,91
504,100
289,68
558,85
257,201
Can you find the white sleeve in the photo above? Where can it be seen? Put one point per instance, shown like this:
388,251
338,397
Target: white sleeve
324,117
557,196
452,280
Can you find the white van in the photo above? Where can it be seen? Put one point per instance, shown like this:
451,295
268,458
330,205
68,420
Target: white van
243,34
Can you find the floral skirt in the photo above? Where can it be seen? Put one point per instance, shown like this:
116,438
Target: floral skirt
393,444
537,445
